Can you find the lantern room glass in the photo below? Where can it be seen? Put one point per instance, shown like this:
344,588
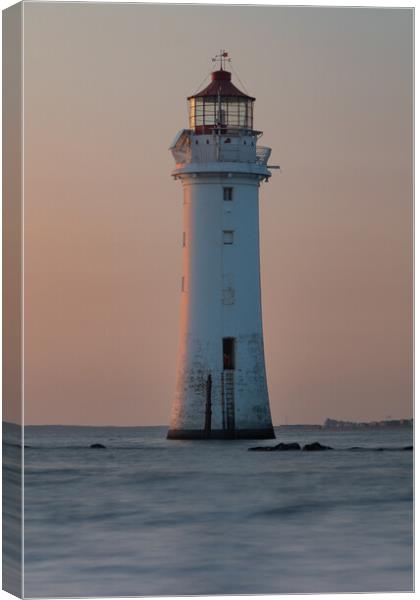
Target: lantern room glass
227,112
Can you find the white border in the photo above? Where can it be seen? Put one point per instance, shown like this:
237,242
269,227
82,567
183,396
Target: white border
384,4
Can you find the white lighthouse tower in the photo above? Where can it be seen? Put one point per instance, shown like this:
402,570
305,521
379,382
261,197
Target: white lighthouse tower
221,390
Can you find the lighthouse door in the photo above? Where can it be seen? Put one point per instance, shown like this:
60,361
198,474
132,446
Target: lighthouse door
228,354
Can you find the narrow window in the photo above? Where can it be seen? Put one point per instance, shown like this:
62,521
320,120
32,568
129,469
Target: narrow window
228,193
228,354
228,237
184,239
228,292
183,284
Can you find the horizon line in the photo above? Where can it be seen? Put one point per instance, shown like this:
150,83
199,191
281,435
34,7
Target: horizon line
167,425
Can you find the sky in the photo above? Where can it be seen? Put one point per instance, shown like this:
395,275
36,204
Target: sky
105,93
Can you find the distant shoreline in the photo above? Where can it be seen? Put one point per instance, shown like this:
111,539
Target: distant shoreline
328,425
336,425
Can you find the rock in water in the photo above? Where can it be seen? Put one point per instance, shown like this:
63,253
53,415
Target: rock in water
315,447
282,446
97,446
278,448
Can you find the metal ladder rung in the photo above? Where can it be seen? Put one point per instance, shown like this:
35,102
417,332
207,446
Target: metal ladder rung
229,396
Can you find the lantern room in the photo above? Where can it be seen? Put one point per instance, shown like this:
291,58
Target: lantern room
221,107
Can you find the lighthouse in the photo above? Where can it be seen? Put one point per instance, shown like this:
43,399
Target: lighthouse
221,389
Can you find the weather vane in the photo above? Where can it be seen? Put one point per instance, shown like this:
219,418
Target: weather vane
223,56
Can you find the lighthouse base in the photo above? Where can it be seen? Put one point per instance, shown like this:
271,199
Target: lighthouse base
220,434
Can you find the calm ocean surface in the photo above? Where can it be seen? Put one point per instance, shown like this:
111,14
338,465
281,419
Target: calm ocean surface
147,516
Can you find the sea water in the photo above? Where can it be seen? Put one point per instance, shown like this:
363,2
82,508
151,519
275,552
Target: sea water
148,516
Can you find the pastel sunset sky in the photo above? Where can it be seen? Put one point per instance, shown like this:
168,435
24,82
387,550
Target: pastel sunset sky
105,93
